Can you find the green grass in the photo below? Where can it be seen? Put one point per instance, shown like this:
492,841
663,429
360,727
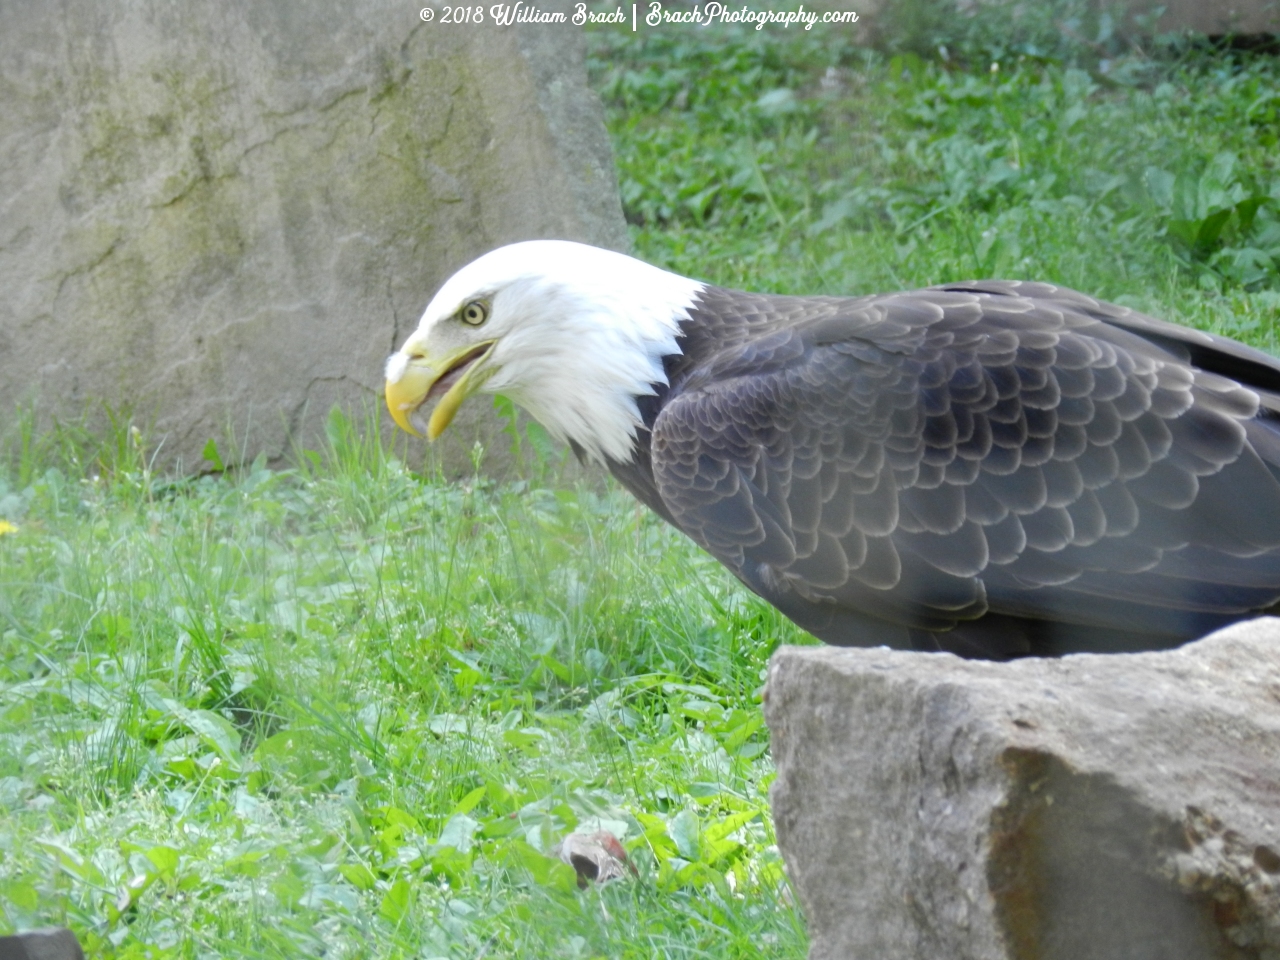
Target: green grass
807,166
345,708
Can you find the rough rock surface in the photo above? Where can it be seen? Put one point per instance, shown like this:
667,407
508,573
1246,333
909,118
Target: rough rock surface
1238,17
225,215
1088,808
47,943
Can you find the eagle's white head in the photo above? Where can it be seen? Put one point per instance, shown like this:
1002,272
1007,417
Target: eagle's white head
571,333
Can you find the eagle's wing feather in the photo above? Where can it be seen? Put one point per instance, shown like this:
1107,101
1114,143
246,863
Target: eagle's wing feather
906,465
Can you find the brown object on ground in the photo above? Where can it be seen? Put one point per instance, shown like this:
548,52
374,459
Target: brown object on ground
596,857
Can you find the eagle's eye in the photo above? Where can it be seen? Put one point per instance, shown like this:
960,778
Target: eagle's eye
475,313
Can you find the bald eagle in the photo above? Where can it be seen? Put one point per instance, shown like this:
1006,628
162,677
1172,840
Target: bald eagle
995,469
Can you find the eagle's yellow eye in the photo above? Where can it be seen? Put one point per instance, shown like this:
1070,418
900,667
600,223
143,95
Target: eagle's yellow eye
475,313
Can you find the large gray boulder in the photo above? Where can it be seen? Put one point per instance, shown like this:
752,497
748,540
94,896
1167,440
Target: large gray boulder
224,215
1088,808
1237,17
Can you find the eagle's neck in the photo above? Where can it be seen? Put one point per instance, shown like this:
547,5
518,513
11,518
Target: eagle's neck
714,320
718,320
595,354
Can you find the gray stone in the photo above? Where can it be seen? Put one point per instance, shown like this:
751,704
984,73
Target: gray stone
1088,808
47,943
880,21
223,216
1239,17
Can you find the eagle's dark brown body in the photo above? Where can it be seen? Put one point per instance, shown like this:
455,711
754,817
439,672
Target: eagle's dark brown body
996,469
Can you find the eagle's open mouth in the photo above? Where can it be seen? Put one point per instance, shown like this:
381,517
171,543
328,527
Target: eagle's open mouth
455,372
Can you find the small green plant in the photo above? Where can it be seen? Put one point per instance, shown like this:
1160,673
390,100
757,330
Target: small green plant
1219,223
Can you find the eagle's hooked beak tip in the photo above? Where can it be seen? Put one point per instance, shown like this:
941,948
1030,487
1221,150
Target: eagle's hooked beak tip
401,417
408,381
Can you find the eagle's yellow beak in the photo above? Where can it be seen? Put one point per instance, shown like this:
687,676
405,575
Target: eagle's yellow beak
415,378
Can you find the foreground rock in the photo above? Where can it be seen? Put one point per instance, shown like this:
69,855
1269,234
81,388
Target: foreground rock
48,943
225,215
1089,807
